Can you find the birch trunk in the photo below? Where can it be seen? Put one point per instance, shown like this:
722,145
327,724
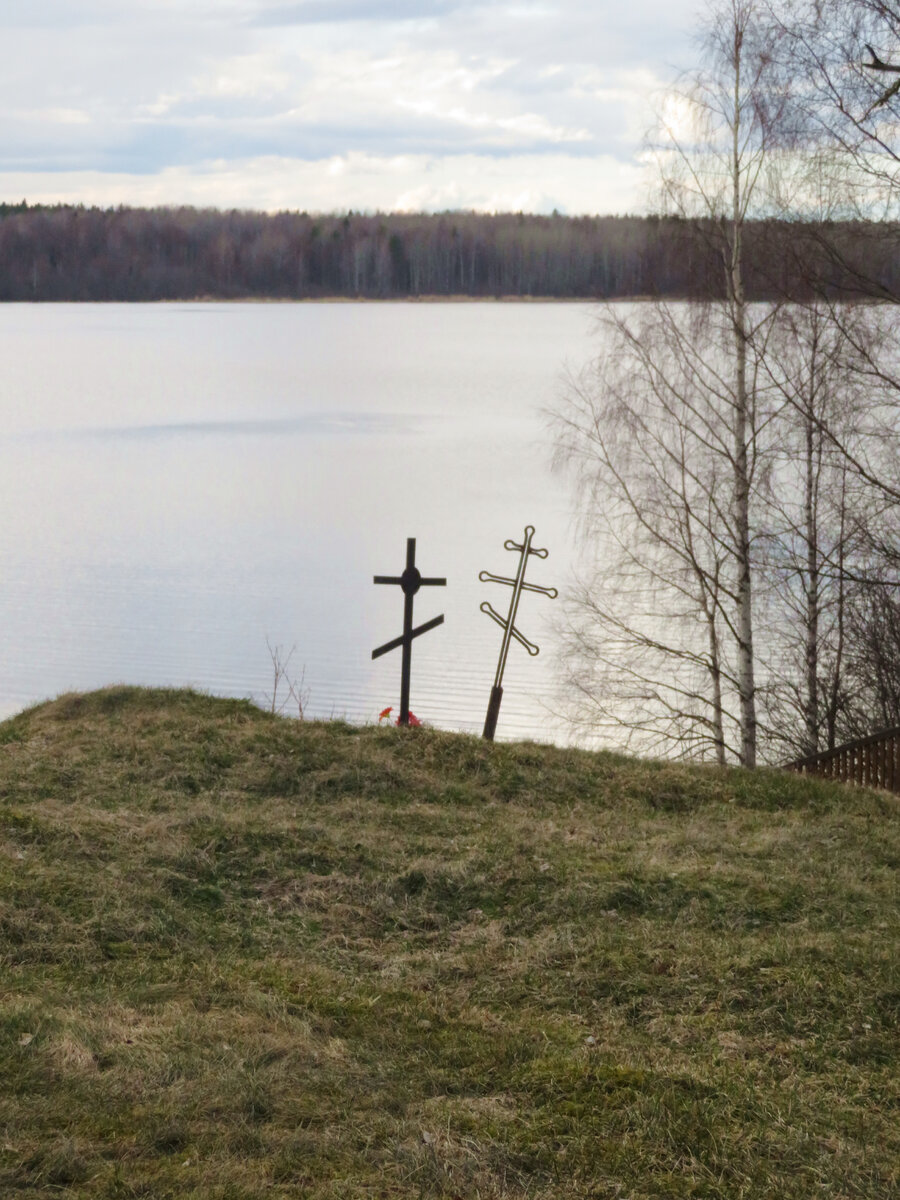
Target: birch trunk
742,432
812,590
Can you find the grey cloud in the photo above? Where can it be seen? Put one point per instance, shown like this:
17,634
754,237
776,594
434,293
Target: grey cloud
608,36
320,12
20,14
150,148
99,15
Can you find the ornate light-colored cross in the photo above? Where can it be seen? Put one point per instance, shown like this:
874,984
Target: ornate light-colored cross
508,623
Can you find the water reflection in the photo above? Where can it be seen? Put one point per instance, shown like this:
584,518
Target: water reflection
176,491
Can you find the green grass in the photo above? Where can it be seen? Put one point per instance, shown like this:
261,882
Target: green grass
246,957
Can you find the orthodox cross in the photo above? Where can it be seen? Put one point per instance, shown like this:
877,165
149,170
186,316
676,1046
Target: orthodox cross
411,580
508,623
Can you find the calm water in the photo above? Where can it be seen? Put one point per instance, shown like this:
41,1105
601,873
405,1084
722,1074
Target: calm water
180,482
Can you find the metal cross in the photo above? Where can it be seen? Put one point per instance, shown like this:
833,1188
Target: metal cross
411,580
508,623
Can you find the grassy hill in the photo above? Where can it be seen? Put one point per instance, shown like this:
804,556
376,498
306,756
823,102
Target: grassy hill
246,957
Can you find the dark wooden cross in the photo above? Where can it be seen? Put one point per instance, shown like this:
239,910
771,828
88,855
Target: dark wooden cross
508,623
411,580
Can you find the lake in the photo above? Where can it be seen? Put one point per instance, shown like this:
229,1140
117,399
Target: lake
181,482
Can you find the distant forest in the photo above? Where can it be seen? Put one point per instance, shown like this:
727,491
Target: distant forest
69,252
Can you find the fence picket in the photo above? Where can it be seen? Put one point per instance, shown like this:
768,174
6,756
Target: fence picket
872,761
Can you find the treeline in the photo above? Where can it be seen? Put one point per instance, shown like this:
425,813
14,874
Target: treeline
69,252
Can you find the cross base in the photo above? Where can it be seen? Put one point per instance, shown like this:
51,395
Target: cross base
493,713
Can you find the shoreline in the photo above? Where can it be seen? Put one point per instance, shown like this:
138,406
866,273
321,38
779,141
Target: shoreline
425,299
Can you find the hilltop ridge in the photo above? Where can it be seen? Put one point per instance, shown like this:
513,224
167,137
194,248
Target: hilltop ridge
245,956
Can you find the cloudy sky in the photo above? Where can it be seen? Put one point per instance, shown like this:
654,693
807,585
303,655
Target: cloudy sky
333,104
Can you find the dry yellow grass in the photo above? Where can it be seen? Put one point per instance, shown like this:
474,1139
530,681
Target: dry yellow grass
245,957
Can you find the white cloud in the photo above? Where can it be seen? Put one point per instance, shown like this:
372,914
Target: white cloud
105,93
528,126
51,116
245,76
484,183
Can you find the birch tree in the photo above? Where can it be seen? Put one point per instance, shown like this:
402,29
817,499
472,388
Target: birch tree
650,630
822,521
722,174
696,383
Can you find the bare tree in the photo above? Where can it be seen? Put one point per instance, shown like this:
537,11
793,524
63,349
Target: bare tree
718,168
296,692
823,518
872,673
738,462
843,57
690,405
656,641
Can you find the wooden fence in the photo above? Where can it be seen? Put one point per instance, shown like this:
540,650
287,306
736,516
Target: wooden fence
870,761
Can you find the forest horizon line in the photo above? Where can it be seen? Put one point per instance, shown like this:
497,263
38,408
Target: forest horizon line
71,252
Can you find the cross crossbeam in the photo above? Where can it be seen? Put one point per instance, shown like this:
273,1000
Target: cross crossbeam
399,641
508,623
410,581
502,622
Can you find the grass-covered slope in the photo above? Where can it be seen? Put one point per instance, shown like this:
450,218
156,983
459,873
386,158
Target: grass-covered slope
246,957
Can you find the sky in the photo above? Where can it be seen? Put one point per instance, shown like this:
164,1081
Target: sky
330,105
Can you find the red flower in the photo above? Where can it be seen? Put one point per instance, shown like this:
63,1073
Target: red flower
413,719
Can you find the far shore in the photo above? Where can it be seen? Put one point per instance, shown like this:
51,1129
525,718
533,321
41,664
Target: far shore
435,299
430,299
423,299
